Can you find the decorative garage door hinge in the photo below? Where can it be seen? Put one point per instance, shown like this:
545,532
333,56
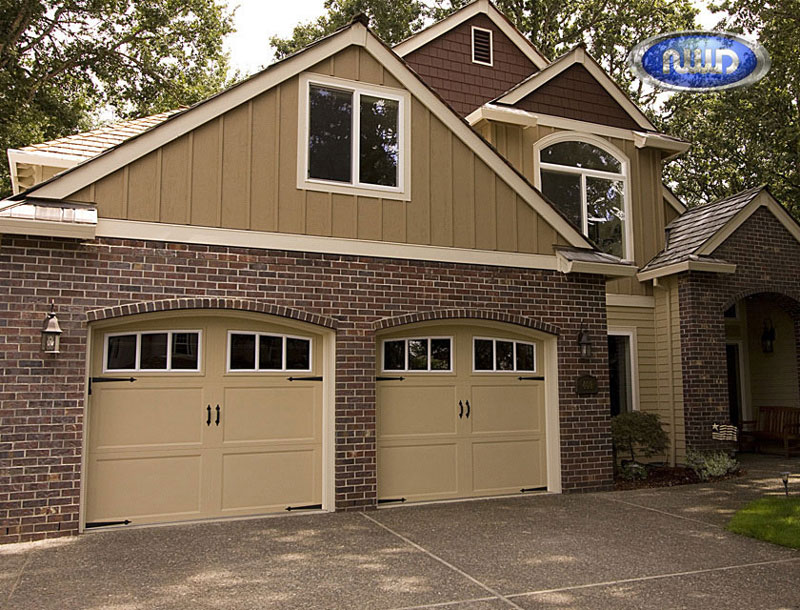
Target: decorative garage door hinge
319,378
108,380
527,489
306,507
106,523
383,378
387,500
535,378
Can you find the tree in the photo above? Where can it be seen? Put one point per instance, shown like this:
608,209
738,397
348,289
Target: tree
62,62
748,136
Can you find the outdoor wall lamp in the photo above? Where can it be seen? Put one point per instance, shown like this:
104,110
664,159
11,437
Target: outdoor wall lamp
768,337
785,479
51,332
585,343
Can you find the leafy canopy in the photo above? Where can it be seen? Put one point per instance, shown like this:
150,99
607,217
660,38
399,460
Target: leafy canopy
63,62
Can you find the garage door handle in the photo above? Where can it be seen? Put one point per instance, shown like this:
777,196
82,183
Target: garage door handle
218,415
208,421
460,409
467,409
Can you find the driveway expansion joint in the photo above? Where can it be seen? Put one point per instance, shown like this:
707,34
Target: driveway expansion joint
663,512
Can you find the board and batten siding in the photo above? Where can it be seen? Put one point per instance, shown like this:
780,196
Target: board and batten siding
239,171
641,319
668,366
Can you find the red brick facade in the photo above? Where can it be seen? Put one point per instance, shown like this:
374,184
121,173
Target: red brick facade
445,64
41,412
767,256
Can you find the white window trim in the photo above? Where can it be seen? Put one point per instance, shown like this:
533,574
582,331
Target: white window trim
257,370
624,177
405,341
494,368
403,189
491,46
169,333
631,333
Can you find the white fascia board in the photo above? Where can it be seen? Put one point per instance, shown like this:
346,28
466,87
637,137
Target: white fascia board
44,228
567,266
490,112
108,162
676,203
659,142
764,199
686,266
41,157
474,142
455,19
629,300
214,236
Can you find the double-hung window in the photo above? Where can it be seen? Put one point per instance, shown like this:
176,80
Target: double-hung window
353,138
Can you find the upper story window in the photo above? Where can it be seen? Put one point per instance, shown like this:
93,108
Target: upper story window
589,184
353,138
482,50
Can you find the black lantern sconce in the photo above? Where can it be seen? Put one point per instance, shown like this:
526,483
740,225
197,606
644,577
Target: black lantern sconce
768,337
51,332
585,343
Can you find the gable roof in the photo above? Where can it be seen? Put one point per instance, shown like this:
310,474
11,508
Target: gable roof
577,56
61,186
455,19
693,237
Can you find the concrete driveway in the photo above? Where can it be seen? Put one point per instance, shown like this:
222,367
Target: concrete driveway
641,549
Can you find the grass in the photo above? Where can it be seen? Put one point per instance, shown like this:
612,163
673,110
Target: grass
774,519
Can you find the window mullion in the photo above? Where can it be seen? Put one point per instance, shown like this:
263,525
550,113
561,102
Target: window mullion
584,206
169,350
138,364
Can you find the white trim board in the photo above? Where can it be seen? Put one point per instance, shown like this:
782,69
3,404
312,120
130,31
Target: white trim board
671,199
476,7
46,228
713,267
632,333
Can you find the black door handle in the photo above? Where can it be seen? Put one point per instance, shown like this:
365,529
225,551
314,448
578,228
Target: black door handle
460,409
208,421
467,409
218,415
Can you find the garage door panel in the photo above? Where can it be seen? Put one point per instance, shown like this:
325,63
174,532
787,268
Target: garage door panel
134,487
267,481
418,471
504,408
417,411
507,466
272,414
147,418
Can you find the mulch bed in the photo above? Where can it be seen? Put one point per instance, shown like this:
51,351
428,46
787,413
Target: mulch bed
666,476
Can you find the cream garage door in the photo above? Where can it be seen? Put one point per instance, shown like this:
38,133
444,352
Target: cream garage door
461,412
212,426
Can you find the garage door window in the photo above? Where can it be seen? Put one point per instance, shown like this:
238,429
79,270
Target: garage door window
168,350
418,354
498,355
262,352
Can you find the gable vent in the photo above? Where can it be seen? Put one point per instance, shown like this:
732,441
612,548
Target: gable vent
482,46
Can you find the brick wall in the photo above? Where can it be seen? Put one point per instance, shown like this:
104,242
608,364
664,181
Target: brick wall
41,397
767,256
445,64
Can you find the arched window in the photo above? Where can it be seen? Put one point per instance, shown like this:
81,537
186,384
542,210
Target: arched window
587,182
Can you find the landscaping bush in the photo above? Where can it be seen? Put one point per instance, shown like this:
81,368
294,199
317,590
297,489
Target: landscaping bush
707,464
638,431
633,471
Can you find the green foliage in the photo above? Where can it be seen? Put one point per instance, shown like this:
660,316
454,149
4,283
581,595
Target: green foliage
638,431
773,519
632,471
749,136
708,464
63,62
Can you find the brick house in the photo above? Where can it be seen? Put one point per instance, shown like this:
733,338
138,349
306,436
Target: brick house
370,275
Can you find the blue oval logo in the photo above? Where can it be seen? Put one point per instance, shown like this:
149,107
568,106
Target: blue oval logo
699,61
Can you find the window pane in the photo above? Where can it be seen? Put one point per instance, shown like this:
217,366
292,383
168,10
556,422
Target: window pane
379,147
243,352
298,354
564,190
581,154
394,355
525,360
605,214
121,352
329,127
483,355
154,351
440,354
270,353
619,364
504,355
184,351
418,354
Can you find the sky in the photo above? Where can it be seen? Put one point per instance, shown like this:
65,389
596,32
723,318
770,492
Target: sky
257,20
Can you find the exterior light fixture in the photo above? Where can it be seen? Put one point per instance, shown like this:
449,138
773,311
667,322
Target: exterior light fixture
785,479
585,343
51,332
768,337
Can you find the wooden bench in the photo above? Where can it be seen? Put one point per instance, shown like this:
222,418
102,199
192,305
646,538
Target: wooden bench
774,424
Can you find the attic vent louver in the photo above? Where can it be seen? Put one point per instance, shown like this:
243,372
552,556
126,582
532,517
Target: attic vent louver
482,46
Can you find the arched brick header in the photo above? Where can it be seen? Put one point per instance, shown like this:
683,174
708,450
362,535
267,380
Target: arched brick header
790,303
475,314
130,309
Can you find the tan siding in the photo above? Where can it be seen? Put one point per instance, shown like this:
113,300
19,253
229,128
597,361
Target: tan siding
175,181
264,168
670,213
111,190
463,195
346,64
318,213
291,202
526,227
394,220
643,320
506,216
485,208
237,132
441,184
419,208
370,222
344,216
779,367
205,175
143,187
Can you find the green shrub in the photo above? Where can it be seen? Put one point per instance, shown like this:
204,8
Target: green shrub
638,431
632,471
707,464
